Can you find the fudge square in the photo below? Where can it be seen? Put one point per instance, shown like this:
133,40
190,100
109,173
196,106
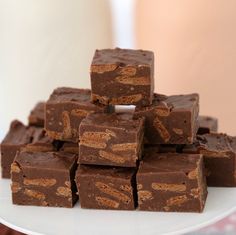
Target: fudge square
18,136
37,115
170,119
102,187
122,76
44,179
111,139
207,124
219,151
65,109
171,182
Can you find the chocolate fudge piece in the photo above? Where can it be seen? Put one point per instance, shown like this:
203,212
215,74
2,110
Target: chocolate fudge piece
65,110
37,115
70,147
170,119
219,151
122,76
44,179
207,124
18,136
111,139
102,187
171,182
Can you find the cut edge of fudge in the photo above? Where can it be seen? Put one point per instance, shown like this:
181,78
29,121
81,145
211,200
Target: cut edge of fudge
110,195
219,151
161,116
30,181
189,196
103,140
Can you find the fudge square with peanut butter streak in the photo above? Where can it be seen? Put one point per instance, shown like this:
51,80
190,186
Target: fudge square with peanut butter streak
111,139
171,182
17,137
44,179
219,152
24,137
102,187
170,119
65,109
122,76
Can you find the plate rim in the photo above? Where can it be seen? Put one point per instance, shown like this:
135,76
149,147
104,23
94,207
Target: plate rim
181,231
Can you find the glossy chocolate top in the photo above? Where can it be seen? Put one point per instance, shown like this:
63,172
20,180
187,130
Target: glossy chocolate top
121,120
118,172
174,102
46,160
123,57
18,134
66,94
155,162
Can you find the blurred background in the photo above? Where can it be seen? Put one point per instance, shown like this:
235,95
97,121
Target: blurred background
45,44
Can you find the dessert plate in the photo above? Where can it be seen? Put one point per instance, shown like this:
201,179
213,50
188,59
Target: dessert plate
42,220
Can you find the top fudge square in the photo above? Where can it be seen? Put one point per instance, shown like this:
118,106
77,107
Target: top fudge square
65,109
122,77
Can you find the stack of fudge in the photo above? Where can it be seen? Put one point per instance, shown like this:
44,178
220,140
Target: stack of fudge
160,156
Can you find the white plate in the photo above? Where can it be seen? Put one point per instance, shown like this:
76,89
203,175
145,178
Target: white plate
60,221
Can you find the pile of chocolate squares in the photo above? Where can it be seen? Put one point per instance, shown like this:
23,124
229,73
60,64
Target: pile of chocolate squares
160,156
